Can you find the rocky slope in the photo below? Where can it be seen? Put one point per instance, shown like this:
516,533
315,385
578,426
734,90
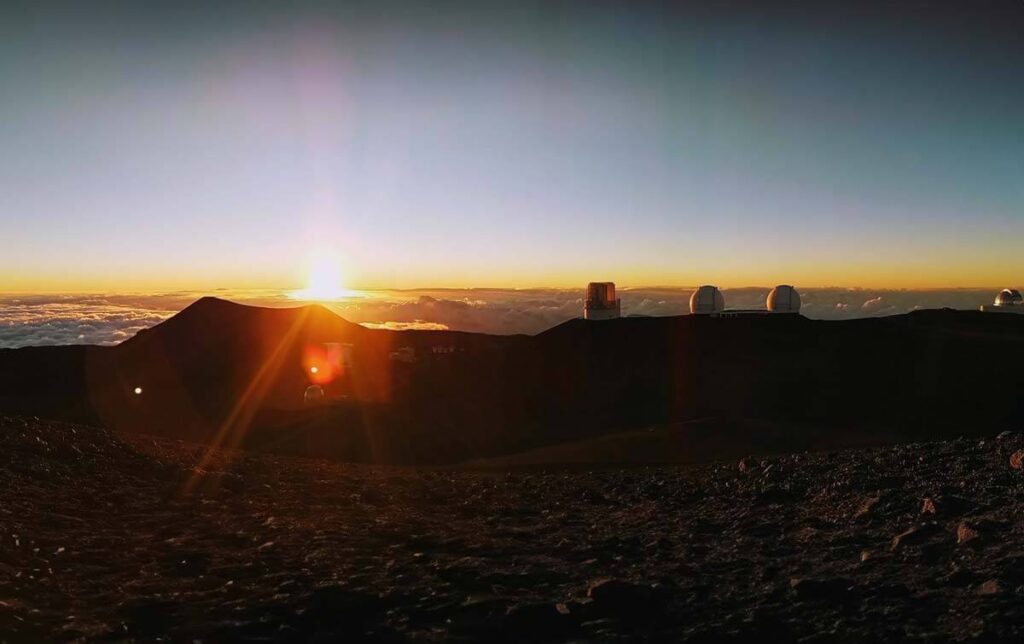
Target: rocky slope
101,539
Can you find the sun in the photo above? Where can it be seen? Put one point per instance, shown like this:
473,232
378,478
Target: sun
324,278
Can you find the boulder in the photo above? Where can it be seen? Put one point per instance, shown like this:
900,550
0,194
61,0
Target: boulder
916,535
946,505
966,533
866,508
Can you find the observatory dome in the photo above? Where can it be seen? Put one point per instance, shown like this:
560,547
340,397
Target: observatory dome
313,394
707,299
1009,297
784,299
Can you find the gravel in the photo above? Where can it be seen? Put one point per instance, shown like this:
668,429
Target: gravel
103,537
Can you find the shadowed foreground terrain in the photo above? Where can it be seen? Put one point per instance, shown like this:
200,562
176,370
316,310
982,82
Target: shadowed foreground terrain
103,539
228,375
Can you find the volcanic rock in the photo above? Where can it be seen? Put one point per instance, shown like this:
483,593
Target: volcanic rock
965,533
865,508
946,506
469,555
916,535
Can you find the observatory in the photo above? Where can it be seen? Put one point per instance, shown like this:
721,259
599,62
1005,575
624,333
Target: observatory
783,299
707,300
1009,300
601,303
1009,297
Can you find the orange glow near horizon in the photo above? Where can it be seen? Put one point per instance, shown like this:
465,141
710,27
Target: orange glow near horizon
324,278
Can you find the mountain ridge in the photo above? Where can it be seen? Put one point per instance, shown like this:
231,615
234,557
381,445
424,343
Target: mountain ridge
447,396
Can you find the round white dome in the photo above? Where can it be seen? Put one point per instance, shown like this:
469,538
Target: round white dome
1009,297
784,299
314,393
707,299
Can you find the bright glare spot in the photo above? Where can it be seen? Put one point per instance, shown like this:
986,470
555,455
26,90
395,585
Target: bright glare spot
138,390
324,279
314,369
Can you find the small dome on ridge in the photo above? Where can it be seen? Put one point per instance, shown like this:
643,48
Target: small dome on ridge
784,299
707,299
1009,297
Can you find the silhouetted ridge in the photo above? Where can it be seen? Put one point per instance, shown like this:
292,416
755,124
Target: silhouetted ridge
212,303
442,396
216,316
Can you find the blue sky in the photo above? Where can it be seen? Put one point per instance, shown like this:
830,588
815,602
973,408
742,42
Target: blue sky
156,145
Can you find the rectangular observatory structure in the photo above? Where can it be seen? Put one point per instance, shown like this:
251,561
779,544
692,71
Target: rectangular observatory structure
601,302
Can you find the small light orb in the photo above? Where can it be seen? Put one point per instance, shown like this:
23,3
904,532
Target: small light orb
138,391
314,370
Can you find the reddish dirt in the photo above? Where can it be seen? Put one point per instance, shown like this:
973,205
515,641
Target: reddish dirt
104,539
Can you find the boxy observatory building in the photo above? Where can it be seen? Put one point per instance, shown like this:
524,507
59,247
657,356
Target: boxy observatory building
601,303
1008,300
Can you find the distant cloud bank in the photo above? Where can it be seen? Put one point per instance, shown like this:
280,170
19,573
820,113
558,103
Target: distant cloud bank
32,320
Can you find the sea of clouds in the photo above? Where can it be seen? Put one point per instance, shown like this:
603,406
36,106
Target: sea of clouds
32,320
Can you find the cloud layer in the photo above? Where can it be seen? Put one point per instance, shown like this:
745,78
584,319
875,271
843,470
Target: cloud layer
31,320
45,320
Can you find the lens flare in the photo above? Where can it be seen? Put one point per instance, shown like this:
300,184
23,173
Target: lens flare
324,363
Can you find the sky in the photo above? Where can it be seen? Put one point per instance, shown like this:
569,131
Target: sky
153,147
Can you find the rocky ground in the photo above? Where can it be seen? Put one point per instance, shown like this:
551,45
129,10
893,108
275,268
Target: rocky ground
105,540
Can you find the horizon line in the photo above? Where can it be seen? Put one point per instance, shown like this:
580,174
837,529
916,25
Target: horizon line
355,290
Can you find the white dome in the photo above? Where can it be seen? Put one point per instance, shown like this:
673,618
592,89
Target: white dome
314,393
1009,297
707,299
784,299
